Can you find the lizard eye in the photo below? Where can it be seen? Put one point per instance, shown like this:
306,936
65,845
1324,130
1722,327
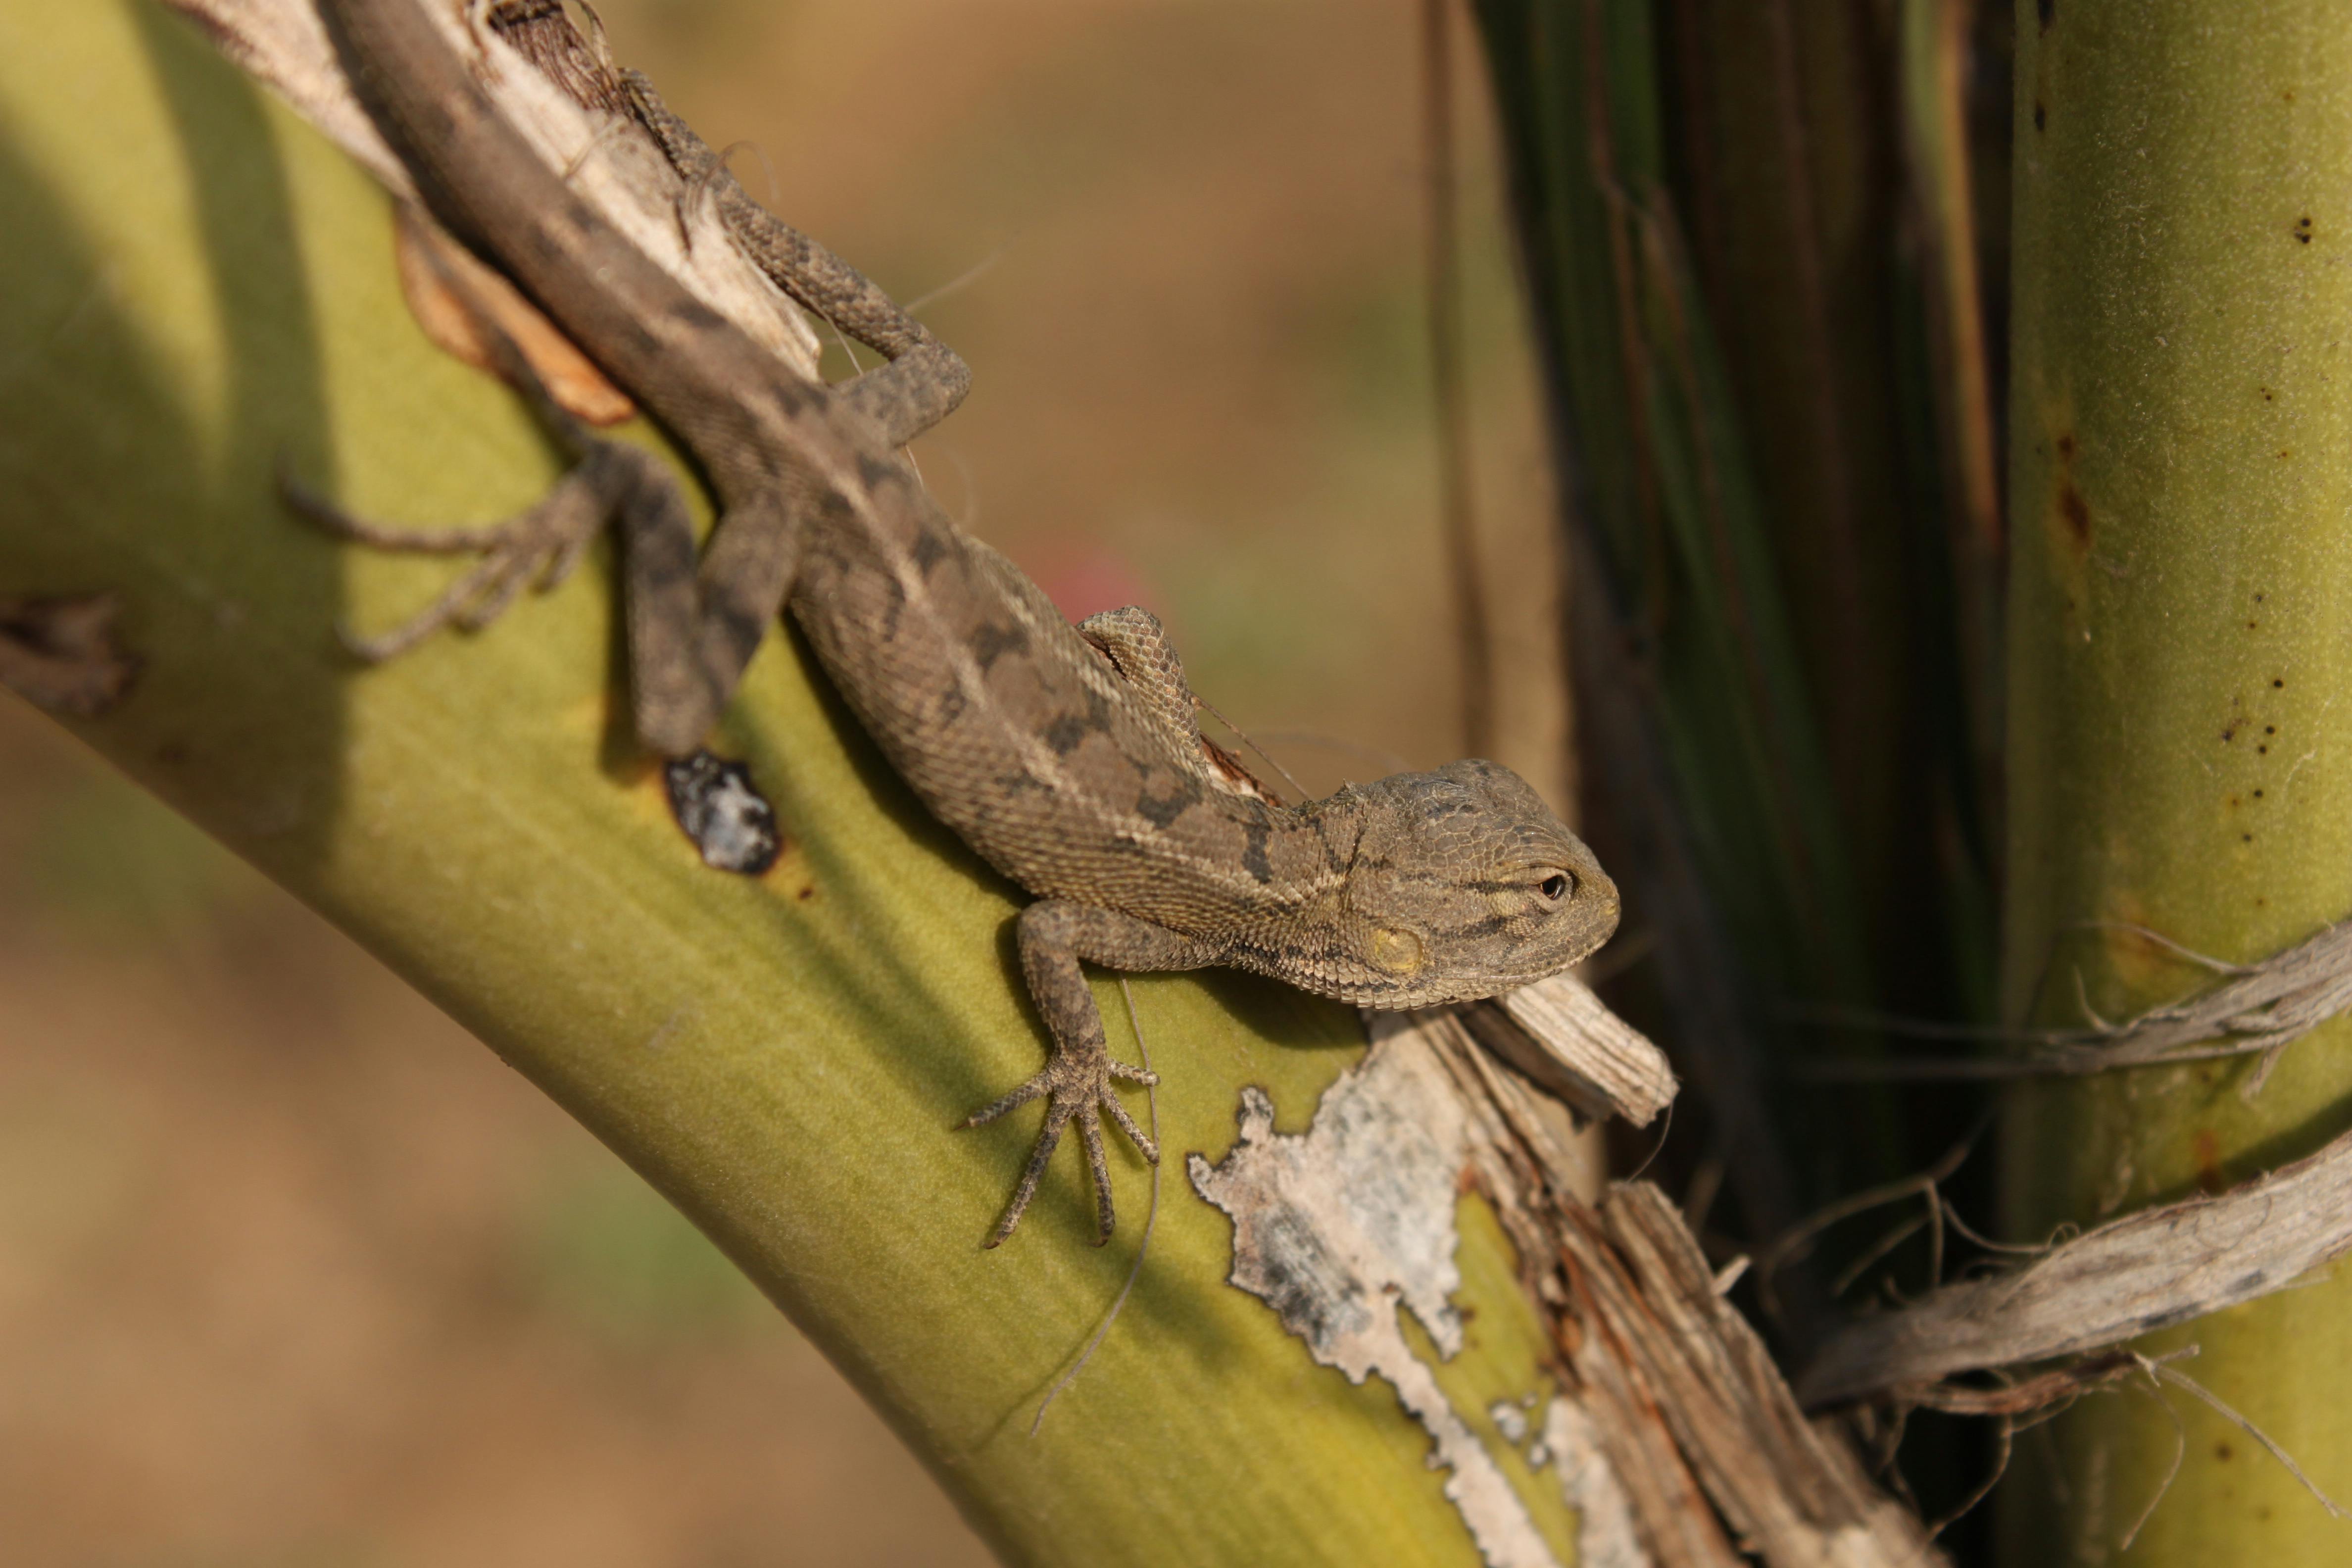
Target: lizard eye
1556,886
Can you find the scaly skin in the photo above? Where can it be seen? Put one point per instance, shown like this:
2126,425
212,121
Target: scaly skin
1069,758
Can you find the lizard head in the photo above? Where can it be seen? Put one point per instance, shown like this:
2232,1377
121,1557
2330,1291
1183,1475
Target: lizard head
1464,885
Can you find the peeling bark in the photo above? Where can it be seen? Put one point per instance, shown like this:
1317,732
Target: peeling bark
1676,1438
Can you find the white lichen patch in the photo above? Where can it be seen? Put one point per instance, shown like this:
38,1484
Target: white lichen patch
1340,1228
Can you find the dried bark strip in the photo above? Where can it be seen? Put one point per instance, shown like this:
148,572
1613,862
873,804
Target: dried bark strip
2269,1006
450,294
2266,1007
1607,1536
2147,1271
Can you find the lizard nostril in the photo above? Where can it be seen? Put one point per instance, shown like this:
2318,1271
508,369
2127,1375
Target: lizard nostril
1555,887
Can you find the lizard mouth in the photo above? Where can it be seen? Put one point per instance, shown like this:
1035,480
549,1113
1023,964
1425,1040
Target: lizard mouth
1399,997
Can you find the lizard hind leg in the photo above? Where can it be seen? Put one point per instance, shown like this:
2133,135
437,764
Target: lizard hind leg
536,547
608,482
688,638
924,380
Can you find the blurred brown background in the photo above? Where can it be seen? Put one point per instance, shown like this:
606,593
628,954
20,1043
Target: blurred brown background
291,1270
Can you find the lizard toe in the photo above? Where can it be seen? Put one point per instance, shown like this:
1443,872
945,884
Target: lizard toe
1127,1074
1144,1140
1035,1087
1058,1115
1098,1166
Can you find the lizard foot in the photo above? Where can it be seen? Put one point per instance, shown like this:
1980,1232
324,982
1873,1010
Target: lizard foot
537,547
1077,1088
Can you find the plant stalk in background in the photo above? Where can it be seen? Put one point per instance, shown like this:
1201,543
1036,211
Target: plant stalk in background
2180,609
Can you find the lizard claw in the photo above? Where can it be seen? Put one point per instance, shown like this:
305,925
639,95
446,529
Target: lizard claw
1075,1088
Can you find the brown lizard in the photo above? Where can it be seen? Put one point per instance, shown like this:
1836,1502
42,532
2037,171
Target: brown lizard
1069,758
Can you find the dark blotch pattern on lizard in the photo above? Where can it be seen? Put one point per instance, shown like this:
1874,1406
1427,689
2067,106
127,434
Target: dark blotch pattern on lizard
1069,758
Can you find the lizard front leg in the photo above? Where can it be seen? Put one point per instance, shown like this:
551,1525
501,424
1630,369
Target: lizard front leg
1138,649
1056,934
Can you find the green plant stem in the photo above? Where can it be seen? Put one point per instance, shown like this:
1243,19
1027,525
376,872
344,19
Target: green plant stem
196,289
2180,640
